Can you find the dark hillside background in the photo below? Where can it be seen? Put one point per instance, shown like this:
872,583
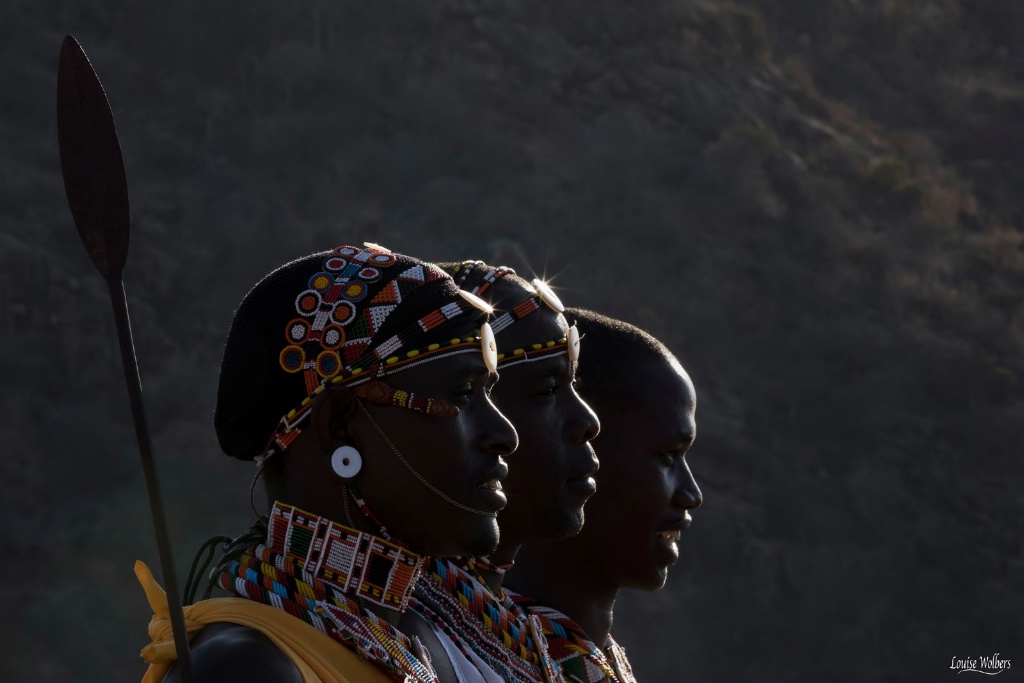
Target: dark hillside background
816,203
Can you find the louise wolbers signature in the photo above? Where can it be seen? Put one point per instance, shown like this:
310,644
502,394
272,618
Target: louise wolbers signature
990,666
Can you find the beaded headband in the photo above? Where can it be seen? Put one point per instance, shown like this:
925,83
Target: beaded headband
542,294
570,343
332,342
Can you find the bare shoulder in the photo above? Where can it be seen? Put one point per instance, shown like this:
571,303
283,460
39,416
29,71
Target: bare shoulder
229,652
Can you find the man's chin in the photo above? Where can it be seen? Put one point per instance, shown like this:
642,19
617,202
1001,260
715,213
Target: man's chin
654,580
568,523
482,542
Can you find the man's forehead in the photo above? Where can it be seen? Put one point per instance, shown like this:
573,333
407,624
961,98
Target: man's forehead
663,378
460,365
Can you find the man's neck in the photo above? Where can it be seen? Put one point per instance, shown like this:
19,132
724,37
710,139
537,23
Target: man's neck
505,554
556,575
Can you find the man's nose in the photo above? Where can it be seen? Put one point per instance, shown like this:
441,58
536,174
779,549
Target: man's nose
687,494
500,436
583,423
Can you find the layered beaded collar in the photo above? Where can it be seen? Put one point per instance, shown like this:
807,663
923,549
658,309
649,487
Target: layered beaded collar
457,600
327,575
579,659
358,564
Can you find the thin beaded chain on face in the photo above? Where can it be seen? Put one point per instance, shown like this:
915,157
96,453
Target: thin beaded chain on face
498,631
579,659
324,573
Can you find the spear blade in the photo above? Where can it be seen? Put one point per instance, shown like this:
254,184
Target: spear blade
91,161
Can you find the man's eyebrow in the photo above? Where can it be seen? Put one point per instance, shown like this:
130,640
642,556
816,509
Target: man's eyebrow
467,364
550,366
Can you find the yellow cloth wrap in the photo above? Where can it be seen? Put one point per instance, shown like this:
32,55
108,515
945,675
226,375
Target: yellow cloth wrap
318,657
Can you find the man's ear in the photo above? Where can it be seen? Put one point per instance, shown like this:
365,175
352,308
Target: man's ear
331,416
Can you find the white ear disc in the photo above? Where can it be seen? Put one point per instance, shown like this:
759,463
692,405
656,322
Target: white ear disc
489,348
476,301
346,462
572,337
547,295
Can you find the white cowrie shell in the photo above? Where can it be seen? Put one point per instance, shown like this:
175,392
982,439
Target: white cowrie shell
547,295
489,347
572,338
476,301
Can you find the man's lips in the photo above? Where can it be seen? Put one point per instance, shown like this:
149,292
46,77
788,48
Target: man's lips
582,479
490,485
493,477
489,490
672,529
583,485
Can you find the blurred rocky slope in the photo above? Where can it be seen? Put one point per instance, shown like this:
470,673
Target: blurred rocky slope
816,204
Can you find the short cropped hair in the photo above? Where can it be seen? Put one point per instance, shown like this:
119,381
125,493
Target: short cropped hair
610,350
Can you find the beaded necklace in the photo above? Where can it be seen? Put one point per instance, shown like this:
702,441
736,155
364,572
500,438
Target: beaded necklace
578,657
474,618
324,573
484,564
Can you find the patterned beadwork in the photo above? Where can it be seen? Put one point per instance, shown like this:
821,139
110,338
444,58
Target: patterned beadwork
539,292
358,563
332,341
380,393
319,571
466,268
578,657
459,602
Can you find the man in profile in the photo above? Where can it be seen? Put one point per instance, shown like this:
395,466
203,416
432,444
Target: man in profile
645,492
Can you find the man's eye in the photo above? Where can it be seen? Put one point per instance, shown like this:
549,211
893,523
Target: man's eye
549,390
465,391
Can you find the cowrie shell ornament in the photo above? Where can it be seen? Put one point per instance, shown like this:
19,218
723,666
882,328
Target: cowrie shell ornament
476,301
489,347
346,462
373,245
547,295
572,347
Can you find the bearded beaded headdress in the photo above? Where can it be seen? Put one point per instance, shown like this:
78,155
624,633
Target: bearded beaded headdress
350,316
476,278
